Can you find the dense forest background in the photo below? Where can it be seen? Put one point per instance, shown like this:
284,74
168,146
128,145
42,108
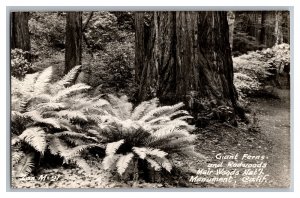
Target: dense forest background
221,66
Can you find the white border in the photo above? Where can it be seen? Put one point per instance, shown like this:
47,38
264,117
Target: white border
3,82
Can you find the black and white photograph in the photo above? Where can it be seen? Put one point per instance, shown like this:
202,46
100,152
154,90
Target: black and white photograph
150,99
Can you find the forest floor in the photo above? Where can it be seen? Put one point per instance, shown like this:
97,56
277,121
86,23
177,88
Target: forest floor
268,142
274,117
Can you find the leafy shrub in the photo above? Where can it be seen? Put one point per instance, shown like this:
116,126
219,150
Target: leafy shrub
245,84
281,56
47,31
19,64
101,30
48,119
255,71
116,73
147,134
253,64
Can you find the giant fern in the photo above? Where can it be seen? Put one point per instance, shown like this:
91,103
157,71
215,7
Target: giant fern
48,117
149,132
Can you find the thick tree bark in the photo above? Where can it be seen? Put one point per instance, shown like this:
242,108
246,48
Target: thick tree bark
73,51
140,46
186,55
20,37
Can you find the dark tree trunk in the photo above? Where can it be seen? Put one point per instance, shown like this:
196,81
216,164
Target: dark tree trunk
286,26
73,51
262,37
20,37
139,50
186,55
270,36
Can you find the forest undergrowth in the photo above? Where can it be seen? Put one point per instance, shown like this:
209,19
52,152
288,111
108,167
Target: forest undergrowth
271,140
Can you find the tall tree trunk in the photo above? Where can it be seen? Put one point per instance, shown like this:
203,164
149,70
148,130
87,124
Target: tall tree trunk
139,49
286,26
262,38
186,55
231,19
20,37
278,28
270,36
73,51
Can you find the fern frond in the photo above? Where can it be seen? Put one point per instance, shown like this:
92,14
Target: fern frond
175,144
76,151
35,137
179,112
181,124
23,104
163,162
50,106
16,157
36,117
156,152
93,132
41,97
184,117
156,166
24,166
28,83
166,164
110,120
143,152
74,141
164,110
64,93
56,146
123,162
15,140
106,108
69,114
15,115
43,80
74,135
173,124
121,105
143,108
169,132
111,148
100,103
160,119
82,164
69,78
109,162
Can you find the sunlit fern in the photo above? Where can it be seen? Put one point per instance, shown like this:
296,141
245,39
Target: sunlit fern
149,132
48,117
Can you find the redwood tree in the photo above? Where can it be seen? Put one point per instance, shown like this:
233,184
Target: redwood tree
73,51
20,37
184,55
